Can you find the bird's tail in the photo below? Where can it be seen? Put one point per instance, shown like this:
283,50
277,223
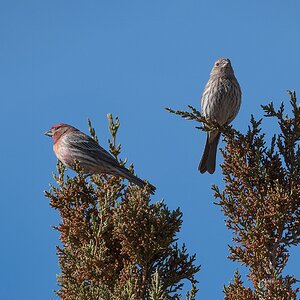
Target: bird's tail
208,160
134,179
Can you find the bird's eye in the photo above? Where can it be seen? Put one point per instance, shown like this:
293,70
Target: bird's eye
217,64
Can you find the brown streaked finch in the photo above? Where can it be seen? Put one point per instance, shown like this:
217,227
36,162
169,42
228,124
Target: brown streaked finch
220,102
70,145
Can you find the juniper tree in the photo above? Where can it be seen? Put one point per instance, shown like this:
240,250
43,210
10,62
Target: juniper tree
261,200
116,243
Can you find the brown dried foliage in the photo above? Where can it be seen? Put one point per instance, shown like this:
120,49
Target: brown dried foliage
261,201
115,243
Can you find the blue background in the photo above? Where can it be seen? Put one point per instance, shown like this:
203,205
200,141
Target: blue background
64,61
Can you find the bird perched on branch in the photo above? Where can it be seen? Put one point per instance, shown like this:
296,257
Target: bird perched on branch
70,145
220,102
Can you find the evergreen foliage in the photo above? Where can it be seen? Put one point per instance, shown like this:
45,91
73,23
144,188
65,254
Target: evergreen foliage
261,200
115,244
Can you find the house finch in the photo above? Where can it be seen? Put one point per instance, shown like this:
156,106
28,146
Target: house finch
70,144
220,102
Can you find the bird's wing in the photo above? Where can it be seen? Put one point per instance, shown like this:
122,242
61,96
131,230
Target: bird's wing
84,143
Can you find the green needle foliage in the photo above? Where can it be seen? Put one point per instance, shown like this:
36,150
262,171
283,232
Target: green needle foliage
261,201
115,244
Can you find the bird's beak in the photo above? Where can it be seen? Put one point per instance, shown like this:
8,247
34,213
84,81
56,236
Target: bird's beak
49,133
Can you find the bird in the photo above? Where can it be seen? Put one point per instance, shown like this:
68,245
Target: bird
220,102
70,145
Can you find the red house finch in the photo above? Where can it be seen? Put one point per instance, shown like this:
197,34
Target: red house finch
220,102
70,144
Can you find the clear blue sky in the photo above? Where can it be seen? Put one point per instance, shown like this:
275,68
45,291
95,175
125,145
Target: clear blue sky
65,61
